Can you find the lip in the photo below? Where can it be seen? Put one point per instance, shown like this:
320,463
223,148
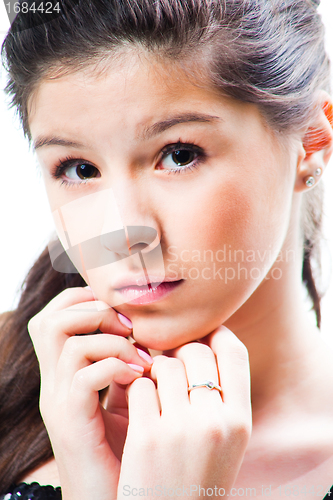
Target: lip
140,281
148,293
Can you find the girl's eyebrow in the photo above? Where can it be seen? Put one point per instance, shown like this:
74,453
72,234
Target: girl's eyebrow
161,126
42,141
148,133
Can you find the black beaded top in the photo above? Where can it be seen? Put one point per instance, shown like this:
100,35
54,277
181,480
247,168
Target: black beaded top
33,491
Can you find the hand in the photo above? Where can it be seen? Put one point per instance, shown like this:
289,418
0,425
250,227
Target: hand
180,440
73,369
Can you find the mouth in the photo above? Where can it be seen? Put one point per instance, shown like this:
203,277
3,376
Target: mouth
146,294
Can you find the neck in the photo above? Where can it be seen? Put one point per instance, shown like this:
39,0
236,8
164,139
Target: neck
284,345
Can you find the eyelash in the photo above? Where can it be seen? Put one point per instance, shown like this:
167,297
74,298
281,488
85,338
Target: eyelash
59,170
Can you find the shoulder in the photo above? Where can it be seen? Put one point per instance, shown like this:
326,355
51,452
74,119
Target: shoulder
44,474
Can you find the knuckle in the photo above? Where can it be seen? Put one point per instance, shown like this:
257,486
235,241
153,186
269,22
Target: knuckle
158,360
40,325
79,381
166,362
197,349
141,384
225,340
139,387
32,324
68,292
242,429
35,323
42,408
209,431
118,343
174,364
214,431
239,352
215,435
117,339
72,347
47,416
176,433
45,324
112,364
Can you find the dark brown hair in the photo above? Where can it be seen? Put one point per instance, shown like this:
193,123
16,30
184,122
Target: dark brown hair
24,442
271,54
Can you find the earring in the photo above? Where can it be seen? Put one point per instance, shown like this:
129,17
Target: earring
310,181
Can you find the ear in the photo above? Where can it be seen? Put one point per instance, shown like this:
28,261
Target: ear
317,146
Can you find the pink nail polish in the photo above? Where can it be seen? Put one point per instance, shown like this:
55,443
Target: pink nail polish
125,321
136,368
145,356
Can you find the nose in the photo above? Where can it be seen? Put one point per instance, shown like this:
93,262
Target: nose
130,231
129,225
129,240
112,231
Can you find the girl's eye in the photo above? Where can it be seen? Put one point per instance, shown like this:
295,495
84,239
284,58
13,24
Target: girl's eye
180,157
83,171
75,170
175,158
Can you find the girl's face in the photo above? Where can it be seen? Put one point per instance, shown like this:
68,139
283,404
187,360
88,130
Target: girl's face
153,159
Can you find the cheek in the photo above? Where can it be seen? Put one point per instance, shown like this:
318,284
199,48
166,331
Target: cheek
223,216
245,221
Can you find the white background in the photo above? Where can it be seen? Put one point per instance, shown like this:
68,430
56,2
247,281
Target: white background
25,220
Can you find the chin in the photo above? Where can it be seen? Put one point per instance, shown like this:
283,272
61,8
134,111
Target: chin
155,341
168,333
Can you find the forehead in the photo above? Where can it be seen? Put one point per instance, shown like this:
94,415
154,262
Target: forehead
130,93
131,80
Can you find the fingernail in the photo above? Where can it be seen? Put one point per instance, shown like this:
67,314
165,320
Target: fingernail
125,321
136,368
145,356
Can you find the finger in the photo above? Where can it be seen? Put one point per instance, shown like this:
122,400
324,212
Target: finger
200,366
93,378
170,376
79,352
234,368
116,401
143,404
69,297
54,329
77,299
